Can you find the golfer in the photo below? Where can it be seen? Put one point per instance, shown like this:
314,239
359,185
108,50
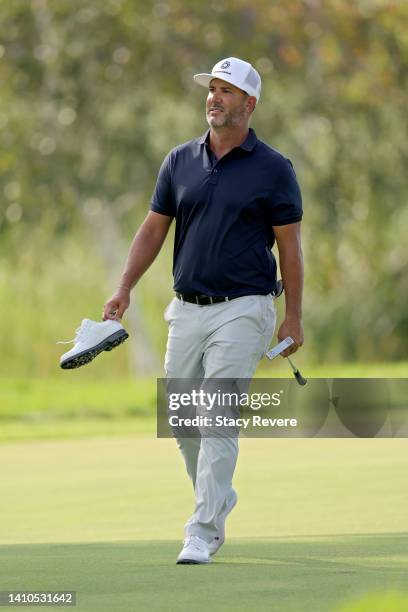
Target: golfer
232,196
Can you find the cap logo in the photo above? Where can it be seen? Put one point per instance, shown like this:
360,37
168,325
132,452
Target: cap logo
225,65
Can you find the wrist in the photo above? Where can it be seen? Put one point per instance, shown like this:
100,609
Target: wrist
290,316
122,286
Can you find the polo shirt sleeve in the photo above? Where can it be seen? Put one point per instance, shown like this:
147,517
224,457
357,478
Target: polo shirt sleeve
284,205
163,199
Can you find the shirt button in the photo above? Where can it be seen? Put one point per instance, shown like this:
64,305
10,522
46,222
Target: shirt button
215,170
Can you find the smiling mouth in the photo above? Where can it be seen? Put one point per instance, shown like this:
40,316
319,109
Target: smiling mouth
215,110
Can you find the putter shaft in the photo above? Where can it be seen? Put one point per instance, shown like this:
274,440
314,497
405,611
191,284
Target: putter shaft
302,381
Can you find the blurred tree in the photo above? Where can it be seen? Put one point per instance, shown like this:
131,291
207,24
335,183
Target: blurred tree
94,94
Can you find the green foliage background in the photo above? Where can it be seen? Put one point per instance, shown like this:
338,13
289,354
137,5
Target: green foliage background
95,93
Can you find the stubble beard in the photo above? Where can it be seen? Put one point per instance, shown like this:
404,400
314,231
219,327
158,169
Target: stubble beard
228,119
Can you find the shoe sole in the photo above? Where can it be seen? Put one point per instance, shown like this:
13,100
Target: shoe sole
191,562
111,342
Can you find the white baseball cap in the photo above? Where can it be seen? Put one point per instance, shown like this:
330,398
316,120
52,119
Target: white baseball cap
234,71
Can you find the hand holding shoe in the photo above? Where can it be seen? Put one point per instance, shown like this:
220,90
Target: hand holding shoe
117,304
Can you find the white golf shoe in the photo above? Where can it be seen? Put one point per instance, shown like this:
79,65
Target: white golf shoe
195,551
219,539
92,337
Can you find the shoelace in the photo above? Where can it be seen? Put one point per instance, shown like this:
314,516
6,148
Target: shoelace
192,540
77,335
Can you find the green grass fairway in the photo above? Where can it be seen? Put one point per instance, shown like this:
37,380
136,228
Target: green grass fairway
319,523
278,574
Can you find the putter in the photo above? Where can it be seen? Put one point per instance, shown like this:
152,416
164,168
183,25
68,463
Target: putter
279,348
302,381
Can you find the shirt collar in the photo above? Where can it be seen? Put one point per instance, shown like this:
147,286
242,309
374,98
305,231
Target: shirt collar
248,144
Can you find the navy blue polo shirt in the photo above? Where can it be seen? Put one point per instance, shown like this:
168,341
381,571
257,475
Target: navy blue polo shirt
224,211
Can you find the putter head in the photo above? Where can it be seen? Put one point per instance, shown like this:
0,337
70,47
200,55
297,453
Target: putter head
302,381
299,378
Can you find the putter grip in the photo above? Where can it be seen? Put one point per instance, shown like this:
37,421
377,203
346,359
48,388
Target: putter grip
302,381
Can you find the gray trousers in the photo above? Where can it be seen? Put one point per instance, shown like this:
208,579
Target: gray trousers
224,340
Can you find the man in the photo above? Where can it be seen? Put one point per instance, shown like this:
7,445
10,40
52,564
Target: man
232,196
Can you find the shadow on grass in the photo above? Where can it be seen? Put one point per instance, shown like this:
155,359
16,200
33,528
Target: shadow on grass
282,574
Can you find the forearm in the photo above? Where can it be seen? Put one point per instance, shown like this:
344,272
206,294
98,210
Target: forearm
143,251
291,266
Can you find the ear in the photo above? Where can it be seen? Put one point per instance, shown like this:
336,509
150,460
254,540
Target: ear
251,103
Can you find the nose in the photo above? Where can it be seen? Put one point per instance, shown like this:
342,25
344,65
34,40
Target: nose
214,98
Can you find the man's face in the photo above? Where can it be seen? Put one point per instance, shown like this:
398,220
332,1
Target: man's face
227,105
